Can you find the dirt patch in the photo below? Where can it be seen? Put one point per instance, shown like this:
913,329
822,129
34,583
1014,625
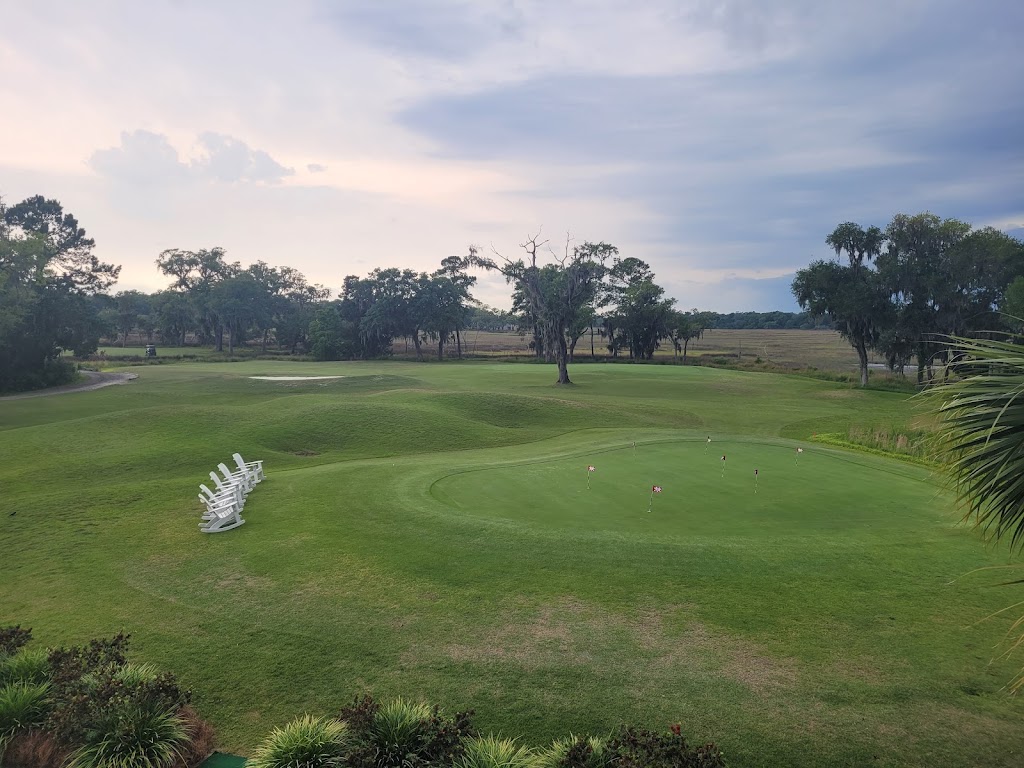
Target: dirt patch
93,380
243,581
571,633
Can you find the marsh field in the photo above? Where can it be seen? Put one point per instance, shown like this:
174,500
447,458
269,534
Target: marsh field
427,531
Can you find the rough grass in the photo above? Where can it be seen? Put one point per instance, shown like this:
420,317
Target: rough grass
425,532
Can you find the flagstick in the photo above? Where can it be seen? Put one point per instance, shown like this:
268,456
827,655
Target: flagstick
634,449
651,502
588,479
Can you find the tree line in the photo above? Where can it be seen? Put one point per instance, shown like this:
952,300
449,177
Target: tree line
55,297
906,290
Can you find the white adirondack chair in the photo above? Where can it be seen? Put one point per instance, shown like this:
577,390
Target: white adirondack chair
217,508
223,517
231,492
252,468
242,478
228,485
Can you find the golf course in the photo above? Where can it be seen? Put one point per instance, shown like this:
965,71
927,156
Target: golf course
435,532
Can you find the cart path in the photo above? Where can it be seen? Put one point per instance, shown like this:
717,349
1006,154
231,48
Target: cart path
94,380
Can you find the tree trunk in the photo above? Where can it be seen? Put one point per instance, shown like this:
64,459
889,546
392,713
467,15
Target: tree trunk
686,343
538,343
231,341
563,369
220,337
416,343
266,333
592,355
572,350
458,342
920,365
440,347
862,355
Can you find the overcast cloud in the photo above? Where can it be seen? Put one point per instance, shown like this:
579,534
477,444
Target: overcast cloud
719,140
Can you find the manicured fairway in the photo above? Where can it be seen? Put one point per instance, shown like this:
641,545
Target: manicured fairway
426,531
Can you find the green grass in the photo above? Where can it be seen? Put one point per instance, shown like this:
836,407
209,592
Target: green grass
425,532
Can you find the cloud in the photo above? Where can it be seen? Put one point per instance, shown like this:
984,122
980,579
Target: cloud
143,158
316,168
231,160
147,158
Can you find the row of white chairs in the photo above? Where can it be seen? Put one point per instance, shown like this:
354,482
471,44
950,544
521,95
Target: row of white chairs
223,506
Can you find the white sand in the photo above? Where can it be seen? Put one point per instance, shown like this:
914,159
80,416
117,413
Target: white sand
294,378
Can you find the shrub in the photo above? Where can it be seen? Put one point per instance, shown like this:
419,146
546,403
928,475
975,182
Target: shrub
306,742
22,706
575,752
495,752
402,733
29,665
134,736
13,638
93,680
639,748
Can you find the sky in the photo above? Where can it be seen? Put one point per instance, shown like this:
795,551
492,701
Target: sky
718,140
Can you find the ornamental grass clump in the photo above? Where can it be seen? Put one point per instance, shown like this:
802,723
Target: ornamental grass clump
306,742
23,706
134,736
495,752
28,665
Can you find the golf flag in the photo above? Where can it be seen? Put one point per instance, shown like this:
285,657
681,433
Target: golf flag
755,481
798,452
707,444
723,465
654,489
634,448
590,468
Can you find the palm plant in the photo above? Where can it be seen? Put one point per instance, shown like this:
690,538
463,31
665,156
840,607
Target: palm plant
496,752
981,440
306,742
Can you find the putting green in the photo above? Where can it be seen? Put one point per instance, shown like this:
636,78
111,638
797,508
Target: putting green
818,491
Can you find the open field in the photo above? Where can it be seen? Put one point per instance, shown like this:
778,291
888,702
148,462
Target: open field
425,531
826,350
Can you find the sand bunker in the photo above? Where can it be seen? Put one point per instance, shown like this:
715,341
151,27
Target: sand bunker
294,378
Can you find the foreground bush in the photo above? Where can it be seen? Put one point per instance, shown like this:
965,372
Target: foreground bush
134,736
88,707
308,742
576,752
639,748
402,733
